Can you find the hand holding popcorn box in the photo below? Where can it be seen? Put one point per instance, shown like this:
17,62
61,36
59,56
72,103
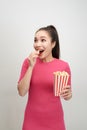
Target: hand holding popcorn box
60,81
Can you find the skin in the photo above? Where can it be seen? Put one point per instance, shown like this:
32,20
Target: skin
42,41
66,93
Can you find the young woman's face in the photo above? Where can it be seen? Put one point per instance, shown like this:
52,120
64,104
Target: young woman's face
43,44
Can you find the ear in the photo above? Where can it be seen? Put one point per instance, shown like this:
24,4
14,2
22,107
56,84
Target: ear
53,44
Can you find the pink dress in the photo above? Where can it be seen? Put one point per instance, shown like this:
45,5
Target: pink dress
44,110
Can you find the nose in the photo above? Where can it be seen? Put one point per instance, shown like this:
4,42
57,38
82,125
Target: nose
37,44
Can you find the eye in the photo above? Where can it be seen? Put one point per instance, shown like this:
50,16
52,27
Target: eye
35,40
43,40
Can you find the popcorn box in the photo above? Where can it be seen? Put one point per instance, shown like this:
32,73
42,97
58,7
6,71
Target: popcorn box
60,81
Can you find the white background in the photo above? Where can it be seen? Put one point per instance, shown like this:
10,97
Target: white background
19,19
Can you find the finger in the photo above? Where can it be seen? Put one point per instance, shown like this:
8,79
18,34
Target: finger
65,91
65,94
33,55
67,87
36,52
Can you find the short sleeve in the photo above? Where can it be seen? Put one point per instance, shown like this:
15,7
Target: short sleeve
24,68
68,70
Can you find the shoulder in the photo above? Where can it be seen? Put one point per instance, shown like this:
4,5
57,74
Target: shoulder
25,63
61,62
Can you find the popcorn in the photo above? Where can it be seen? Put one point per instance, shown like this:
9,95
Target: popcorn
60,81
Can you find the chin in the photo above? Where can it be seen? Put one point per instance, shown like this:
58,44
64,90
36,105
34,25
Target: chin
42,58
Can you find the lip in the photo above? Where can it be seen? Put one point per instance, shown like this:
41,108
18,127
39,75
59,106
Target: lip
40,49
41,52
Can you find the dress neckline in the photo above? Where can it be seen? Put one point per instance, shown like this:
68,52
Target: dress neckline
47,62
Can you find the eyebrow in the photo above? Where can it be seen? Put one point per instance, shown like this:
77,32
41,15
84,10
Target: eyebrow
40,37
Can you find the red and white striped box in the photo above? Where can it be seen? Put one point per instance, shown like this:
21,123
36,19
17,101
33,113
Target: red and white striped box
60,81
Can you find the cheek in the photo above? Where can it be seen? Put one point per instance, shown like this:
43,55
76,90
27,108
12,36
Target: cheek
34,45
49,47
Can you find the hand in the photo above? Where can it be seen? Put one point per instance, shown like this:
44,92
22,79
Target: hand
32,58
66,93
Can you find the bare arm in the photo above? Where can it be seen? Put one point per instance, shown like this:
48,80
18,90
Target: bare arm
24,84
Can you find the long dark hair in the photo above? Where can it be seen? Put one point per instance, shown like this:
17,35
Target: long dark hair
54,36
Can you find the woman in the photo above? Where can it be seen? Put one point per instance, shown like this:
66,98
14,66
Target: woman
43,110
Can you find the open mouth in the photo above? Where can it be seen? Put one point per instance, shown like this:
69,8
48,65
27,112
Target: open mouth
41,51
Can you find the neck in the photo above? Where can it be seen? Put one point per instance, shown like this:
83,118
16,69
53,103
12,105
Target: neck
48,59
